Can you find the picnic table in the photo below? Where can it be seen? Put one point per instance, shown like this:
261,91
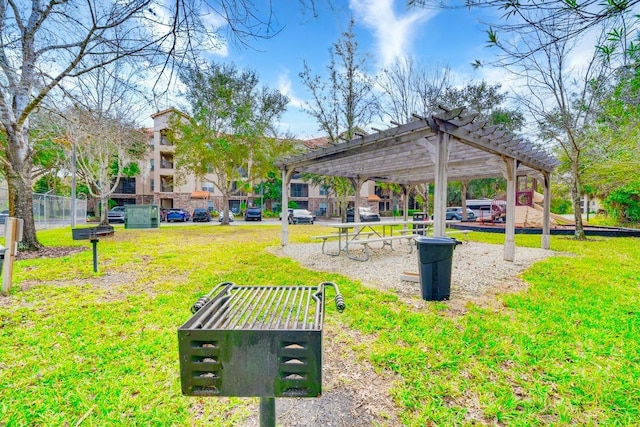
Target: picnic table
362,234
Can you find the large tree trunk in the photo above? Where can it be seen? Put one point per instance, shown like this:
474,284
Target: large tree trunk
104,209
18,172
225,207
575,196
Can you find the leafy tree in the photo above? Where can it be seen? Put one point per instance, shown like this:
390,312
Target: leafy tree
612,153
487,101
563,100
107,148
410,88
232,129
271,189
625,202
343,103
336,187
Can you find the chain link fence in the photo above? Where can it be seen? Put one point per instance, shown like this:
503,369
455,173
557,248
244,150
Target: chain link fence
51,211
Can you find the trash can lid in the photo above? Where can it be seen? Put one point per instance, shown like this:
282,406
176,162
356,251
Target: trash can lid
436,240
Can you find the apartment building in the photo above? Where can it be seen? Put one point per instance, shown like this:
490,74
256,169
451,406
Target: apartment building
158,183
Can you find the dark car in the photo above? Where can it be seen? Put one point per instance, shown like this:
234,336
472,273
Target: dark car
253,214
181,215
4,215
366,214
201,215
456,214
116,214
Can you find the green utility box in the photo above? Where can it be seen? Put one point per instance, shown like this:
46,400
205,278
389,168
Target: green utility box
141,216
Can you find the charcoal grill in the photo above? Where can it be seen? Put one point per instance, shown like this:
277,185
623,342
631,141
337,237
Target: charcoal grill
263,341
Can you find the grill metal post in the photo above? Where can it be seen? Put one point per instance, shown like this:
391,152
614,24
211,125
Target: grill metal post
94,243
255,341
267,412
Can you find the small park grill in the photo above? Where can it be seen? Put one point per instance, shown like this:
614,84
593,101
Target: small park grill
263,341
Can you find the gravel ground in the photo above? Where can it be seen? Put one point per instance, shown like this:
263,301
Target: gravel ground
478,269
354,394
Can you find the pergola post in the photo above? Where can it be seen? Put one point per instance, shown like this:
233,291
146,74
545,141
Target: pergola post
509,172
357,183
463,198
284,217
546,212
440,184
406,190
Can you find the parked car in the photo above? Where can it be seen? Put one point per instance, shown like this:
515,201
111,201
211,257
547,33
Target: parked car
455,213
221,216
253,214
366,214
4,215
181,215
116,214
300,216
201,214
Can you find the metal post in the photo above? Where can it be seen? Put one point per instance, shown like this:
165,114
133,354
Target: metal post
267,412
94,242
73,185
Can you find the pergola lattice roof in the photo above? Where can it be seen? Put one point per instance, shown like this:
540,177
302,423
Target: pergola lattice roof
405,154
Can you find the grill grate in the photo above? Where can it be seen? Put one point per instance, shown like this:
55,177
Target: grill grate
263,308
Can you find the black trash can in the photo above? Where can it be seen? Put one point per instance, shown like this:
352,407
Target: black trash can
351,215
435,255
419,228
2,251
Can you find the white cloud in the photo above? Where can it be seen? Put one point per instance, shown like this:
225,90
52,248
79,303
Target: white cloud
285,87
393,33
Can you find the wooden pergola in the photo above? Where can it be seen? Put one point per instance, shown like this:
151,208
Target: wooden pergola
435,149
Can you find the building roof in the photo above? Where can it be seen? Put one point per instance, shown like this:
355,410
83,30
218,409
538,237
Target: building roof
405,154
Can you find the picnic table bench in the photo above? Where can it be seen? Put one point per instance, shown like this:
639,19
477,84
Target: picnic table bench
386,241
339,236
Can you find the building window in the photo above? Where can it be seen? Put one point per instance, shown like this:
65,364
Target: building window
152,165
166,184
324,191
126,186
152,184
299,190
163,138
166,162
237,188
234,206
207,187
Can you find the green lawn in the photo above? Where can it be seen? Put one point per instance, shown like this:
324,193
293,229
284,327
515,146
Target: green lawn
101,349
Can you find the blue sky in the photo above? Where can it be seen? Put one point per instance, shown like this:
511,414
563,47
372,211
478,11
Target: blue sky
385,29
